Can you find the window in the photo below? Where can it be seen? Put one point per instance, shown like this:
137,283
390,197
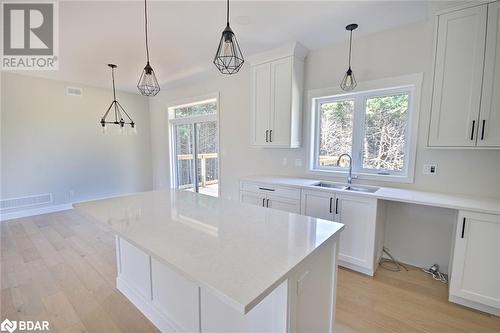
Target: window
376,127
193,129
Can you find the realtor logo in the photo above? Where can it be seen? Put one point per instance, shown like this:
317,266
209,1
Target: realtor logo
29,35
8,326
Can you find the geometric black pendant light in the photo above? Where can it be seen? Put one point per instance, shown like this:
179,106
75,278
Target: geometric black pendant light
148,84
349,82
116,108
228,58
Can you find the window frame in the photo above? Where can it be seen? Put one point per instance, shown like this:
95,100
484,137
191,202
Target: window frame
410,84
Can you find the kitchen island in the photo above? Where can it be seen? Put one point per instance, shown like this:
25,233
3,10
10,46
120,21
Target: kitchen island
194,263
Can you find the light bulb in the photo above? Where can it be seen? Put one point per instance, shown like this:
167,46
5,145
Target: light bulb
134,129
104,130
122,130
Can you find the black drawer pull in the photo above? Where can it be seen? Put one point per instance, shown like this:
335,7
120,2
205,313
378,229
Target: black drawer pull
263,202
267,189
473,128
482,130
331,199
267,203
463,227
337,206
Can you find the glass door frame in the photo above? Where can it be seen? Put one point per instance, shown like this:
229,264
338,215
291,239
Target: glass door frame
194,121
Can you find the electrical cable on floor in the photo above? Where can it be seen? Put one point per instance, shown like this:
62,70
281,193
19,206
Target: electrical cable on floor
436,274
391,264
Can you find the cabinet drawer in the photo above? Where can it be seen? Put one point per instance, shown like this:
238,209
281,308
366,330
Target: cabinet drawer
279,191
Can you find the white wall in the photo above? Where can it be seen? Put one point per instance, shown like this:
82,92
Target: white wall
390,53
52,143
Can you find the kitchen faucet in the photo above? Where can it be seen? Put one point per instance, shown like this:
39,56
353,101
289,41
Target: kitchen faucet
350,177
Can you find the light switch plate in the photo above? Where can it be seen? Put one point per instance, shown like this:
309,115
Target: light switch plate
430,169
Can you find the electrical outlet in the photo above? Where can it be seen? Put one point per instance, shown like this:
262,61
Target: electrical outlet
430,169
298,162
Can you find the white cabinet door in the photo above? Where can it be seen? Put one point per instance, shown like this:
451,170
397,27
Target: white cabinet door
261,103
252,198
476,263
292,206
489,119
281,99
357,240
134,268
318,204
458,73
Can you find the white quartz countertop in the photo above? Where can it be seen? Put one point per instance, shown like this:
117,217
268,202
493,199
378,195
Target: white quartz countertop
239,252
460,202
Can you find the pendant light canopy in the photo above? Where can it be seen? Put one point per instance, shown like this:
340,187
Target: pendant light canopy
116,108
228,58
349,82
148,84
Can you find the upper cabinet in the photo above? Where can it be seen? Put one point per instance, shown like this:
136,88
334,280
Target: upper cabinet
277,84
465,110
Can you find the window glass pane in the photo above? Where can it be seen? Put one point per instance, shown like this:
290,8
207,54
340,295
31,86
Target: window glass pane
386,120
335,132
196,110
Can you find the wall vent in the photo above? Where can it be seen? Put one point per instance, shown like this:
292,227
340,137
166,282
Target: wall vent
25,202
74,91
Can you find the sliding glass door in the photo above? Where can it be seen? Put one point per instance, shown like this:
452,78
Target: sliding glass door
195,134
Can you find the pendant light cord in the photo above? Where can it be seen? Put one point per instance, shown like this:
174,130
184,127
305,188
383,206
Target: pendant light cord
146,27
350,49
113,79
227,15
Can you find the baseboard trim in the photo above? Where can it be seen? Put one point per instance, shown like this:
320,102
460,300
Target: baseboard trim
34,211
474,305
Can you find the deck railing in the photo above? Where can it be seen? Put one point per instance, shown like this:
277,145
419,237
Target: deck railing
209,172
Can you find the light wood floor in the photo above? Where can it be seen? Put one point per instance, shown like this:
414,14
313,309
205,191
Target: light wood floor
61,267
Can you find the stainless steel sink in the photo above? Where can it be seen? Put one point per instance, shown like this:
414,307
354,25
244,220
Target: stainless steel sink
347,187
361,189
331,185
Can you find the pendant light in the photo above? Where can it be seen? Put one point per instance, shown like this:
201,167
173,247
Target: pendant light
117,109
228,58
349,82
148,85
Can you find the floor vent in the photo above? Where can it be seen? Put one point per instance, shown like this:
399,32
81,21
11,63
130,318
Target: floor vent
25,202
74,91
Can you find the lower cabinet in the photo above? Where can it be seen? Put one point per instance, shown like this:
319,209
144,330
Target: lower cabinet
361,241
475,273
277,197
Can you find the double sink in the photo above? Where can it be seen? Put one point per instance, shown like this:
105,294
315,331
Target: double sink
347,187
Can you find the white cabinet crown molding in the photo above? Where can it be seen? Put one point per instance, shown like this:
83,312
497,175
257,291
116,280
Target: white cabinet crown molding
294,49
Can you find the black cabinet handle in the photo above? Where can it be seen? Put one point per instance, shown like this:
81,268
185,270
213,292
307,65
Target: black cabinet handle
263,202
270,135
266,189
267,131
463,227
336,206
482,130
331,199
267,203
472,132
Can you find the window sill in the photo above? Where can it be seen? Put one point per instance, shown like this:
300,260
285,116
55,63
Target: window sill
363,176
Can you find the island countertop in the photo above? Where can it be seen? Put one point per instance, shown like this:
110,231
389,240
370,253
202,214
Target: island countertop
239,252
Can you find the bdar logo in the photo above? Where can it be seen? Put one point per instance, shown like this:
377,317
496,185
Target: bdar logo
9,326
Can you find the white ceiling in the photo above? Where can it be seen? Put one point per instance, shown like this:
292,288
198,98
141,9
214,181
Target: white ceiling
184,34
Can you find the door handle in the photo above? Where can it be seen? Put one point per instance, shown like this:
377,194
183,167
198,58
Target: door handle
270,135
331,199
336,206
463,227
267,203
263,202
482,130
267,132
472,131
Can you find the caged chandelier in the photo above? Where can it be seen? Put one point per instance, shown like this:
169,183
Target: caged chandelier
349,82
148,84
228,58
116,108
